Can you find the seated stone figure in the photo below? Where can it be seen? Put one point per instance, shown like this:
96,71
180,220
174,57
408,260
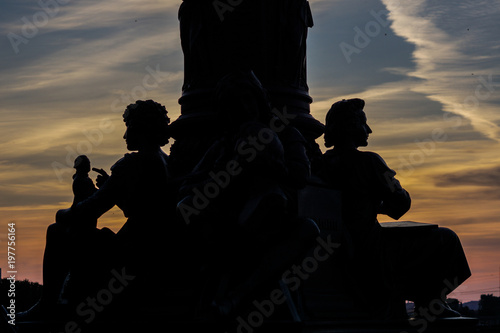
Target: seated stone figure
385,268
246,214
139,186
83,186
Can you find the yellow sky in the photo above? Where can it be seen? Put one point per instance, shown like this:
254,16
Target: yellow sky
428,74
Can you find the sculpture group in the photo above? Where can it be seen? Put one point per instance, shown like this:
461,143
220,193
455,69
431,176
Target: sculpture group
215,225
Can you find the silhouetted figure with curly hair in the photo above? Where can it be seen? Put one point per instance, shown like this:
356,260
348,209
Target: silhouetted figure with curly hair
81,258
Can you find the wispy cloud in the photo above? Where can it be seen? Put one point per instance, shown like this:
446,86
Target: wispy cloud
489,177
63,93
88,15
456,72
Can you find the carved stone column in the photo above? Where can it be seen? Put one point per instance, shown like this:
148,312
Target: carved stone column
266,36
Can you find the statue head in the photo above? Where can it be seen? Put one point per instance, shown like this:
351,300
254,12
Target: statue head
82,164
346,124
240,97
147,125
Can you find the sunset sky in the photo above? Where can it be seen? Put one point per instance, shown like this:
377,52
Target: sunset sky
429,71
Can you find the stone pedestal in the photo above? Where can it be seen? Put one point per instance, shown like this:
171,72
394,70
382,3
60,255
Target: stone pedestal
266,36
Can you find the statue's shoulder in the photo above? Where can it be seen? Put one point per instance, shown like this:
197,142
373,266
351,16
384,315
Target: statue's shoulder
377,163
354,156
375,157
370,155
291,135
135,160
127,162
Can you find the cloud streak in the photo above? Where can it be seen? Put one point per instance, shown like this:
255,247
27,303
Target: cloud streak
489,177
453,69
91,59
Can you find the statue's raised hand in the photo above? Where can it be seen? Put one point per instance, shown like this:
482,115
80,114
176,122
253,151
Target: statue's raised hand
102,177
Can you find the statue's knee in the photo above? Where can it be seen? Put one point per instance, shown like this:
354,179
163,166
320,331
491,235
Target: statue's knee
446,232
54,231
448,236
53,228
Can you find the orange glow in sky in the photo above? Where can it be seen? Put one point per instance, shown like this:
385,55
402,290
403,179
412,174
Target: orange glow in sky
430,76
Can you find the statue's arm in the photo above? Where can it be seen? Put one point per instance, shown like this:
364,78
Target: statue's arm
82,189
396,201
101,201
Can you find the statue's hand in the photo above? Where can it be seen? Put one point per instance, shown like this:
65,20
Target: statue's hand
101,178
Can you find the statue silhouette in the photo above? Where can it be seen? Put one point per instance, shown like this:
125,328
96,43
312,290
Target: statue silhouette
249,222
220,216
83,186
58,241
386,268
217,38
139,186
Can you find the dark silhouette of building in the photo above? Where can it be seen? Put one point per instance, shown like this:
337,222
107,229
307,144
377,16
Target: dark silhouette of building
26,293
489,305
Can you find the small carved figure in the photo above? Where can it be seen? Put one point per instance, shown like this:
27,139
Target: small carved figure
83,186
59,241
386,269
